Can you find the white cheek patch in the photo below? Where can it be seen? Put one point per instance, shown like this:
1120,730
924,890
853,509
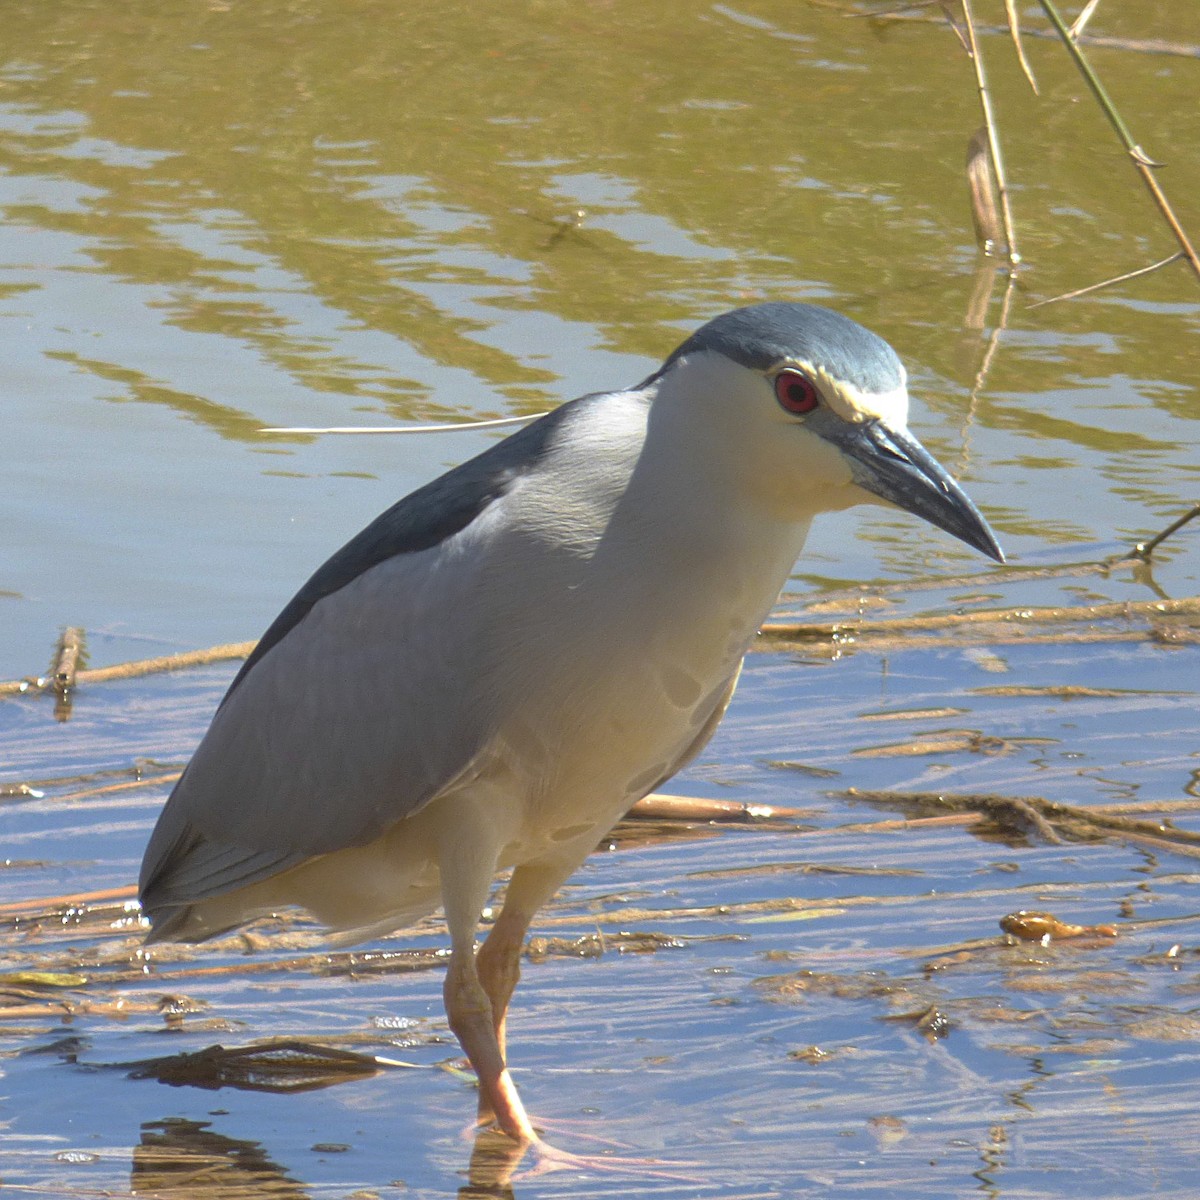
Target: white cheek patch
854,405
889,407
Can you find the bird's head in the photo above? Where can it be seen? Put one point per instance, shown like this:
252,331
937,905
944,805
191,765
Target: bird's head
809,411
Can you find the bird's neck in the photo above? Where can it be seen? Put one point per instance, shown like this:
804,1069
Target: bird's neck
681,532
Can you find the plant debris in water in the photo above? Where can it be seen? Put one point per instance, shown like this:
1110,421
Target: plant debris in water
282,1066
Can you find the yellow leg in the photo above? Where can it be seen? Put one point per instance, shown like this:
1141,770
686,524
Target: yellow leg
477,1007
498,963
478,989
472,1020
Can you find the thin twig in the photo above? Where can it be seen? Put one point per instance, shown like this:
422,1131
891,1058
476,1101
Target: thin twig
948,12
1014,28
1022,615
1095,287
448,427
36,788
993,137
1142,162
132,670
1143,550
58,904
1050,818
110,789
661,807
1084,17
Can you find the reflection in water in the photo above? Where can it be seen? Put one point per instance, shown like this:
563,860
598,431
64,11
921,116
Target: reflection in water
357,228
494,1159
182,1160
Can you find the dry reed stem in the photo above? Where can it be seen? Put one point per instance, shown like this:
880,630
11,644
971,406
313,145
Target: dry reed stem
56,905
1124,610
1051,819
138,667
109,789
656,807
1142,162
801,904
1098,41
986,636
1124,808
1014,28
993,137
1104,283
1144,550
1084,17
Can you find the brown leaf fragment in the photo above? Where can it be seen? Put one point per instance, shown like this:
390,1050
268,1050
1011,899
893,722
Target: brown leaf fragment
981,181
1032,926
810,1054
931,1022
888,1130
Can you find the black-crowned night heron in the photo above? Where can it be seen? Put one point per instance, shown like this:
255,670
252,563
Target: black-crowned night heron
493,671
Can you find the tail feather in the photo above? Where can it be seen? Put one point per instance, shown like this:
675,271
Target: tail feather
196,869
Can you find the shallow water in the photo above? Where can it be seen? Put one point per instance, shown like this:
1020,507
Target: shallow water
820,1006
225,217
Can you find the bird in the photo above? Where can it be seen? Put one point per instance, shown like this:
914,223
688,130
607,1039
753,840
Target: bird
492,672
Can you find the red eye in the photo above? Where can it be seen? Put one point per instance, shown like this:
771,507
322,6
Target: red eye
796,393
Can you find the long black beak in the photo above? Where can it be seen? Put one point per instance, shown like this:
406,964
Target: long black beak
892,464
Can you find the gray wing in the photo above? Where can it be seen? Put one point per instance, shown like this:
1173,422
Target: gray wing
423,519
350,714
